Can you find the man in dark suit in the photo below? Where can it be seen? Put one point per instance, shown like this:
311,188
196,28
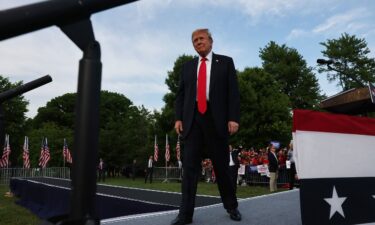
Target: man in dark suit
207,112
273,167
149,169
101,170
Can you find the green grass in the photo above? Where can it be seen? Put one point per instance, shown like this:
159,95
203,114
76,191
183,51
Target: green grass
203,187
13,214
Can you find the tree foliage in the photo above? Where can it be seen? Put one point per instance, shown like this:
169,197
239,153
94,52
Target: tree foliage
352,67
296,79
124,128
172,82
265,112
55,135
14,119
165,120
59,110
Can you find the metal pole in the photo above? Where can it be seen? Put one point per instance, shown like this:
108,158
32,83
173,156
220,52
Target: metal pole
86,136
24,19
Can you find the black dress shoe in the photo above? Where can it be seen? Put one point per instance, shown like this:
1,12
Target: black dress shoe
234,214
181,221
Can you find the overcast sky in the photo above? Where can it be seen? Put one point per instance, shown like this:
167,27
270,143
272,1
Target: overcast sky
141,41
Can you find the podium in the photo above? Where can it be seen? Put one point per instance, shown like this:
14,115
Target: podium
334,156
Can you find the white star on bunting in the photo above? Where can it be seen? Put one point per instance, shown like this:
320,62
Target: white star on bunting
336,203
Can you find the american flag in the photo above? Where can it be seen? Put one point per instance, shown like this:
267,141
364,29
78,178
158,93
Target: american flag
25,155
178,150
372,92
66,153
156,150
341,189
44,154
167,154
4,161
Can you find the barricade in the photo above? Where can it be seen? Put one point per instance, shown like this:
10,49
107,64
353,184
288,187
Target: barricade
252,177
169,173
56,172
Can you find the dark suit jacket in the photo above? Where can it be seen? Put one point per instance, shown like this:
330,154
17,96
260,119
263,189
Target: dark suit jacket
273,165
224,98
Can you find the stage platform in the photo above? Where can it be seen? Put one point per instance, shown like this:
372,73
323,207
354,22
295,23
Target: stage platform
136,206
144,195
281,208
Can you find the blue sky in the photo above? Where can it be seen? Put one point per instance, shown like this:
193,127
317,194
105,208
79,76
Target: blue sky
141,41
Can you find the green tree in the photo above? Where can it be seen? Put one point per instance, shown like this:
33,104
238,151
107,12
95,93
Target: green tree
59,110
172,82
165,120
265,111
296,79
55,135
14,119
124,128
352,67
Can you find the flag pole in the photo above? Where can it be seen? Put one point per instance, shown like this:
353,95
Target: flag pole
64,158
8,149
166,162
7,143
23,159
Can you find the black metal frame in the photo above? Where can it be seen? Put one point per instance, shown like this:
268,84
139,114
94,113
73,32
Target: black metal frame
73,18
11,93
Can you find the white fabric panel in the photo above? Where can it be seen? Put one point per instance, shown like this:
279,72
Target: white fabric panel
333,155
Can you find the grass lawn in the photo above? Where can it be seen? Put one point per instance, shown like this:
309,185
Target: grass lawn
13,214
173,186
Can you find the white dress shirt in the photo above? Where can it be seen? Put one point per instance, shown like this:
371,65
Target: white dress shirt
208,72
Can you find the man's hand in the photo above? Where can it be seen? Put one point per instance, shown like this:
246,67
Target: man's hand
232,127
178,126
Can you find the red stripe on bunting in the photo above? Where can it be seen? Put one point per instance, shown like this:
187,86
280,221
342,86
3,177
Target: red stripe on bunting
307,120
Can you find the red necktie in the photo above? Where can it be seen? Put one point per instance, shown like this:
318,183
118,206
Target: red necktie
202,102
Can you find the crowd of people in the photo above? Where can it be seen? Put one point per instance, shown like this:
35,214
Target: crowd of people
254,157
249,158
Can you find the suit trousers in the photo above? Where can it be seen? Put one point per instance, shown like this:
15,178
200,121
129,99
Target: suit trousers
203,134
273,181
234,175
292,174
149,172
101,176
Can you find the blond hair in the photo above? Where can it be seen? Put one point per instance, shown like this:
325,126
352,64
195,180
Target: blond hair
204,30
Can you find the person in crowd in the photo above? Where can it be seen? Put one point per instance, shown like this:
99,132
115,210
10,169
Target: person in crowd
134,169
234,164
281,157
179,163
149,169
101,170
273,167
207,111
292,168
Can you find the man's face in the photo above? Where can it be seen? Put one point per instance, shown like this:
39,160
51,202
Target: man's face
202,43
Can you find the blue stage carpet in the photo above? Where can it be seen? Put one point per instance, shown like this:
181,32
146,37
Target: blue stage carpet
281,208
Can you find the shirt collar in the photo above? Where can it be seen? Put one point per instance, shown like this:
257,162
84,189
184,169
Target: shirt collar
208,57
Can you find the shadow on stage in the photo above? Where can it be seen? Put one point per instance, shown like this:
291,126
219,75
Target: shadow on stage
50,197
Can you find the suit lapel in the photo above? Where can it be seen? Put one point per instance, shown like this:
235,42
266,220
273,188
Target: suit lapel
194,71
214,68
